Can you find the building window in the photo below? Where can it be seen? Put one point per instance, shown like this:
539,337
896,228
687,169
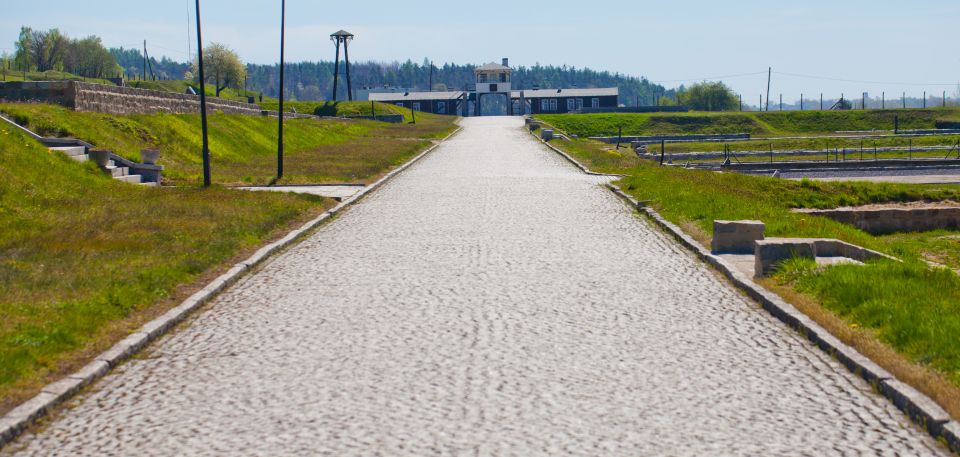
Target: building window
544,105
553,104
579,103
483,78
399,103
416,106
571,104
441,107
595,102
503,77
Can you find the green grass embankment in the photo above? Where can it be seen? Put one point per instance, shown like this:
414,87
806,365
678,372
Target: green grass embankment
757,124
905,316
244,148
85,259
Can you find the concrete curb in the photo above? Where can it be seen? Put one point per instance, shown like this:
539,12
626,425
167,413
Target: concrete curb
919,407
574,161
21,417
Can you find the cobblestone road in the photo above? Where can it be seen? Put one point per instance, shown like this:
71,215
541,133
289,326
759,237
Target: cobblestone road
491,300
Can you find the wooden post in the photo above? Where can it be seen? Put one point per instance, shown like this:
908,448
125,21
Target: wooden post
663,149
769,75
336,70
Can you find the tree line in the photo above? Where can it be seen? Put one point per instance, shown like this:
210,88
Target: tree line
46,50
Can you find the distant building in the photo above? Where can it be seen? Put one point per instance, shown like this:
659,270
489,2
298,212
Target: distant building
495,79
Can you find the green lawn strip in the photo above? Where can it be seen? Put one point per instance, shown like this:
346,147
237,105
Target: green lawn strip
80,252
243,148
10,75
762,124
815,143
910,306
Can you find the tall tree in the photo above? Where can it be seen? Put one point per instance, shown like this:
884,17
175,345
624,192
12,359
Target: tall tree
708,96
222,67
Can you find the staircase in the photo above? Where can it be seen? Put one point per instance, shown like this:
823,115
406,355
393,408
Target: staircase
117,167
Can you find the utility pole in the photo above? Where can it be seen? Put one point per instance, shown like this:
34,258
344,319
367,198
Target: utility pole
283,19
801,102
203,105
821,101
431,76
144,60
769,74
781,102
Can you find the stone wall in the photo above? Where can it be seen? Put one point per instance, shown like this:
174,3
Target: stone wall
101,98
892,220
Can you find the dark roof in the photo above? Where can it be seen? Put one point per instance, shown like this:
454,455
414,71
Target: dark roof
341,33
413,96
492,67
555,93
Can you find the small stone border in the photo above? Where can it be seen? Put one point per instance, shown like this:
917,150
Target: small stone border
17,420
572,160
919,407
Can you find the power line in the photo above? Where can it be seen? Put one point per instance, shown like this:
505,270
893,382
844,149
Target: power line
709,78
827,78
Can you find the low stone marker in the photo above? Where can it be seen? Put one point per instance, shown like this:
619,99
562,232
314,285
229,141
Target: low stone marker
546,134
533,125
736,237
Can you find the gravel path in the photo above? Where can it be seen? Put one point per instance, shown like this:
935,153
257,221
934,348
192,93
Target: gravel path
491,300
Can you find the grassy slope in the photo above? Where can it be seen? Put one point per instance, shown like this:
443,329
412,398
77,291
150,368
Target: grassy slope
83,257
758,124
243,148
47,76
909,307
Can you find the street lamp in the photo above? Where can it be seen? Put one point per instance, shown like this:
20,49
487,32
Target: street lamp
344,37
283,18
203,105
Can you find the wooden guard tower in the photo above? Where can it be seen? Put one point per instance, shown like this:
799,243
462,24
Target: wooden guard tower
345,38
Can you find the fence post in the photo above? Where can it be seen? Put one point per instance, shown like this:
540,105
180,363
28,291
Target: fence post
663,148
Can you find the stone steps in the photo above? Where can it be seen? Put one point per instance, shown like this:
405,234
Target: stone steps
120,173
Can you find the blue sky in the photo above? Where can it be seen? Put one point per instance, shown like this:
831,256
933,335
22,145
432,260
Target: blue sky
890,46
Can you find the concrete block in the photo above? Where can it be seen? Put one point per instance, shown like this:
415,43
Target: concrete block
546,134
917,405
64,388
768,253
950,432
736,236
91,371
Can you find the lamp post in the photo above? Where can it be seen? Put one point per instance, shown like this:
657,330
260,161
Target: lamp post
283,18
203,105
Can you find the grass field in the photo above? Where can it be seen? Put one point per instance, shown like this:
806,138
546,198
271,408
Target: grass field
757,124
906,316
85,259
243,148
10,75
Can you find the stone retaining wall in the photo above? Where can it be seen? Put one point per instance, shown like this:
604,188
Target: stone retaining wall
101,98
892,220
